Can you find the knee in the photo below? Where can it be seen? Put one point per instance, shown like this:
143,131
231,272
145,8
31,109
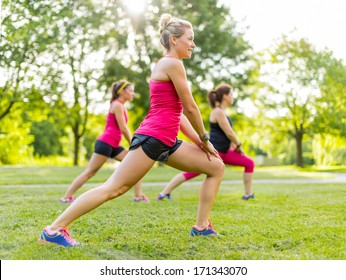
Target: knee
250,166
90,173
217,169
113,193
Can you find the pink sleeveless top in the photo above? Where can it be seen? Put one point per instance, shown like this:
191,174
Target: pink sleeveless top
163,119
112,134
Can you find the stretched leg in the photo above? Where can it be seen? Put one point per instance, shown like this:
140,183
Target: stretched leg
197,161
237,159
95,163
134,166
178,180
138,186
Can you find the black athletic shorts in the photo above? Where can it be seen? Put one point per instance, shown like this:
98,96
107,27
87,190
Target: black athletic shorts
107,150
154,148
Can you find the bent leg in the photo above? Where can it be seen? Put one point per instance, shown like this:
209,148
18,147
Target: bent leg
237,159
175,182
133,168
197,161
95,163
248,178
178,180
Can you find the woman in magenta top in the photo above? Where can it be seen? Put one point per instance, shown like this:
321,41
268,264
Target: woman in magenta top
107,144
155,139
224,139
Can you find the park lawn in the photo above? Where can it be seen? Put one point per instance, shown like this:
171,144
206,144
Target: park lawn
17,175
285,222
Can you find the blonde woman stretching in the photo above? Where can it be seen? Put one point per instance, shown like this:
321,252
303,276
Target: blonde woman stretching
155,139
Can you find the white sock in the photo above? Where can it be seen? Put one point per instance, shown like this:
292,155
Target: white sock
50,231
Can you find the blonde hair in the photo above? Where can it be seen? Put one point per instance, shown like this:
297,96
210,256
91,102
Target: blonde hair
171,26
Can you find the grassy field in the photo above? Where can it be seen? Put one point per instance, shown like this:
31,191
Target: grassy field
10,175
285,222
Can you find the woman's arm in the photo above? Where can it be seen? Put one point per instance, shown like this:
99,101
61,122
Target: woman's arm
118,110
175,70
177,74
188,130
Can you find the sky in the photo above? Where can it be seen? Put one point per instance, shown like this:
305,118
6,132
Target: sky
322,22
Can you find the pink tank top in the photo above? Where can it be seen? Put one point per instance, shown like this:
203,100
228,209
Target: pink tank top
112,134
163,119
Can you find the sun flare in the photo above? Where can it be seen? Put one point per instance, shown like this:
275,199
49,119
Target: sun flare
135,6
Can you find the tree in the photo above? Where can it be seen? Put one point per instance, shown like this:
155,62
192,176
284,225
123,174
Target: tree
71,51
300,93
221,54
24,37
331,105
76,51
288,99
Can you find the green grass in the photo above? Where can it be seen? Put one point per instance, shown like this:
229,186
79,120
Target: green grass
13,175
285,222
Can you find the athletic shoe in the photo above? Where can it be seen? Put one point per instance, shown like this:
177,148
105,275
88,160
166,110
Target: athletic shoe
205,232
66,200
211,226
142,198
61,237
162,197
247,197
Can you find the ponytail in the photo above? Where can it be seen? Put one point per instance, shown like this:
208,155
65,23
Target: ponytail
215,96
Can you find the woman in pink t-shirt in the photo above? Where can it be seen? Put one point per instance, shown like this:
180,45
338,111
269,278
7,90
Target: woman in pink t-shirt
155,140
107,144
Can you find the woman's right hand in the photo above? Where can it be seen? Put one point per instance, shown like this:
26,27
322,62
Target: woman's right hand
240,150
209,149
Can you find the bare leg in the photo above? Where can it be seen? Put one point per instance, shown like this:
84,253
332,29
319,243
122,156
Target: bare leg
134,166
138,186
247,179
95,163
175,182
197,161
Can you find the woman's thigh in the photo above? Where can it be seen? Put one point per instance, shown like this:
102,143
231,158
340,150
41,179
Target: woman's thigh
131,169
95,162
189,157
121,155
237,159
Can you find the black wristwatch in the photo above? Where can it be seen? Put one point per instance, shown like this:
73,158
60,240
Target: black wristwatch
205,137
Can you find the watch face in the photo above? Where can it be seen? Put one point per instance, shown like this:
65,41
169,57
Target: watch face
206,137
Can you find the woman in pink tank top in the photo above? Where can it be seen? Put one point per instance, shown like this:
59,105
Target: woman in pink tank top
107,144
224,140
169,95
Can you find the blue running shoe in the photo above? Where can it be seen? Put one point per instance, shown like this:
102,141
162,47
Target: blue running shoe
247,197
162,197
205,232
142,198
61,237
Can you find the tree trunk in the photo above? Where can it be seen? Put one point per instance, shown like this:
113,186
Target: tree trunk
299,143
76,140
